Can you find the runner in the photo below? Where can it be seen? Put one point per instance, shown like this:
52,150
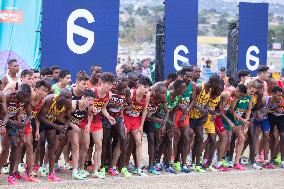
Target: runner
154,125
16,102
64,82
170,79
80,110
11,76
55,117
134,117
102,96
240,106
46,73
198,116
182,130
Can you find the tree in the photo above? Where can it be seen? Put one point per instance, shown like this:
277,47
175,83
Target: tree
222,27
129,9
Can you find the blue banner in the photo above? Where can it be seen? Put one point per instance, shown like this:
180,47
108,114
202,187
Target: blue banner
181,26
253,36
78,34
20,33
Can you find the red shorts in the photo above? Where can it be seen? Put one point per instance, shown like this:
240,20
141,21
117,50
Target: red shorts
132,123
28,129
178,122
96,124
219,125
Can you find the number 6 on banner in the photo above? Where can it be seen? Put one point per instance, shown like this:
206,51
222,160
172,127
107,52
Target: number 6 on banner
72,28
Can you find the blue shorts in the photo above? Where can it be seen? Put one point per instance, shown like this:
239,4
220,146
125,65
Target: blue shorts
264,125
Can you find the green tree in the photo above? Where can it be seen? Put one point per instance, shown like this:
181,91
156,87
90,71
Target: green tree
129,9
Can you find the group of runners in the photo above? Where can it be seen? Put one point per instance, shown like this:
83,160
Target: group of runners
97,123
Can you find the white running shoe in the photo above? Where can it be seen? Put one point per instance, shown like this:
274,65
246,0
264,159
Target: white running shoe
257,167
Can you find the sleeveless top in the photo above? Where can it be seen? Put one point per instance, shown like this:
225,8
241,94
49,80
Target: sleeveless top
14,106
280,108
185,99
98,102
212,104
136,107
202,99
172,103
77,116
36,109
53,111
153,107
242,105
116,102
74,97
56,88
10,79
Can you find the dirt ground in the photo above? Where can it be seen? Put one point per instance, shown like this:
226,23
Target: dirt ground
232,179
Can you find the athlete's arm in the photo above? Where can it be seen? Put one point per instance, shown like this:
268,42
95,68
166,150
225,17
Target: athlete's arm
68,115
43,112
145,111
193,96
29,110
248,112
9,86
4,109
105,112
4,83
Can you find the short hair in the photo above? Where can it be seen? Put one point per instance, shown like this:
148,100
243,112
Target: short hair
63,73
25,88
186,69
215,78
145,81
93,67
242,88
34,70
88,93
178,72
107,77
222,69
25,73
46,71
243,73
132,75
276,89
253,84
55,68
262,68
232,81
11,61
172,76
82,76
177,84
43,83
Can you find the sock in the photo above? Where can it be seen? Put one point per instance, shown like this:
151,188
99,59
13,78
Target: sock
75,171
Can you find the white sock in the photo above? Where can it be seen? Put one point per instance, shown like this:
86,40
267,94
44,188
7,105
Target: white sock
75,171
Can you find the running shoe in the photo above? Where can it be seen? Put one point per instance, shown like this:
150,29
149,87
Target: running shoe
244,161
152,170
159,166
131,169
268,166
90,168
141,173
21,168
68,166
199,169
36,167
282,164
42,171
225,163
84,173
170,169
177,166
221,168
31,178
212,169
112,171
103,171
12,180
185,169
125,173
17,175
259,158
98,175
256,166
231,164
5,169
53,178
277,160
239,167
76,176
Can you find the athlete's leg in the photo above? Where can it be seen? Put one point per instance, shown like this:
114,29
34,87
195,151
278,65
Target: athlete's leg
51,140
240,143
5,150
176,141
30,156
185,138
106,145
84,140
74,139
13,154
98,138
137,135
198,142
211,142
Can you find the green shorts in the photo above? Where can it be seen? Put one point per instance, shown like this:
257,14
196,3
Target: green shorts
235,122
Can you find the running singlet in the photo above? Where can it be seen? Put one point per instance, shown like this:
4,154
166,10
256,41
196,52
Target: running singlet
77,116
98,102
36,109
241,107
11,80
116,104
14,106
212,104
202,99
153,107
280,108
172,103
56,88
185,99
136,107
74,97
53,111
